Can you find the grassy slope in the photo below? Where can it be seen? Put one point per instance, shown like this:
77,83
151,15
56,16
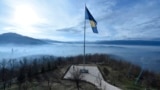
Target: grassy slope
117,78
116,73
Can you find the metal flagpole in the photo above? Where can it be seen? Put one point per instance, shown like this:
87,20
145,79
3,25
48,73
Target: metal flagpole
84,40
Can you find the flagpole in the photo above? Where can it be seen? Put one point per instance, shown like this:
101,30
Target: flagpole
84,41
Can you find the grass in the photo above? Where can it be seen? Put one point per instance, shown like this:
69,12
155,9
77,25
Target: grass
119,79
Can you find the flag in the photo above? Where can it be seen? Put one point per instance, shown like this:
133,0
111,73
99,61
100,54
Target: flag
88,16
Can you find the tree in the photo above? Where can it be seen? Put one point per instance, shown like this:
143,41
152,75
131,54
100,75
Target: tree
51,78
49,66
22,73
106,71
21,78
76,76
4,73
30,74
99,80
12,67
35,71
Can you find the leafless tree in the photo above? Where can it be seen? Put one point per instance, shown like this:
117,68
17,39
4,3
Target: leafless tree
99,80
4,73
12,67
76,76
51,78
22,73
104,87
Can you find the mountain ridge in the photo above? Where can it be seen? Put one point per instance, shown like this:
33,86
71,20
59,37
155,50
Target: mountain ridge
14,38
130,42
17,39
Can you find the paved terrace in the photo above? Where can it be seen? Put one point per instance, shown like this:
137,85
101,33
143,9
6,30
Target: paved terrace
94,76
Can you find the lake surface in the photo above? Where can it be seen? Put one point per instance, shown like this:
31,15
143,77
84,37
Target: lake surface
146,56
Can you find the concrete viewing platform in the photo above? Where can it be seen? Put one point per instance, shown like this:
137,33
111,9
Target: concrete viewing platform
93,76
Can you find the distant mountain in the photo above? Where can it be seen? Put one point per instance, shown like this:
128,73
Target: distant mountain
52,41
156,39
130,42
13,38
152,42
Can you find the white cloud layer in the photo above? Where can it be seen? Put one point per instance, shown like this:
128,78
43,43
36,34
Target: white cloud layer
63,19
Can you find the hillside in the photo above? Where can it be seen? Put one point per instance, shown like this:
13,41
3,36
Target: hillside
17,39
131,42
13,38
47,73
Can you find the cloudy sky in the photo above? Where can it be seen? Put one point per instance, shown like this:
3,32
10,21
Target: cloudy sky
64,19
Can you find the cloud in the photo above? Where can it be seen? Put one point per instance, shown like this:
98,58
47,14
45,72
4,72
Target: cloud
64,19
71,29
123,22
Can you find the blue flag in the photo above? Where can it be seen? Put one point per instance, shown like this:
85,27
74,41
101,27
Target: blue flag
93,22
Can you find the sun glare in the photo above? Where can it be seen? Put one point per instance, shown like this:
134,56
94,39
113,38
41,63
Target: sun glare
25,15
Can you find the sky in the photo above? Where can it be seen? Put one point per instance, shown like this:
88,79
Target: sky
63,20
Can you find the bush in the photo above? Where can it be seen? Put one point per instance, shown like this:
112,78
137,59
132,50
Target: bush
106,71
